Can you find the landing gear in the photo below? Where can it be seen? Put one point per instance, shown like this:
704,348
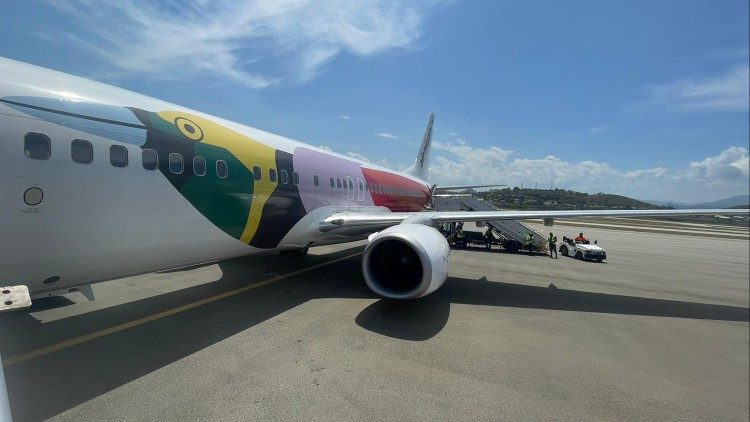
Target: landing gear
294,252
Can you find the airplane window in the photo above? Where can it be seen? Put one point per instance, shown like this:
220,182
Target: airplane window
149,159
295,178
284,177
221,169
333,184
338,183
316,181
361,187
351,185
118,156
199,166
176,164
81,151
367,188
272,175
37,146
257,173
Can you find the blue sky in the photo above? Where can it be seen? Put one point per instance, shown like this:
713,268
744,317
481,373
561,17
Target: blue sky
646,99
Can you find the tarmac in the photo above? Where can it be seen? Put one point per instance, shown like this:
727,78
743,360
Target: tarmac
658,331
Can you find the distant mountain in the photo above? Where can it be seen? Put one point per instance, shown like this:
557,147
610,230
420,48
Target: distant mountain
672,204
733,202
725,203
559,199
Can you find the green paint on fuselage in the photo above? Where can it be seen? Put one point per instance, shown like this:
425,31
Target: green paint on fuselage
225,202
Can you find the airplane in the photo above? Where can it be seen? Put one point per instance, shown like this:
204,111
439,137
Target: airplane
99,183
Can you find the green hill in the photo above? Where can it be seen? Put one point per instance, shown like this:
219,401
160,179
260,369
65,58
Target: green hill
559,199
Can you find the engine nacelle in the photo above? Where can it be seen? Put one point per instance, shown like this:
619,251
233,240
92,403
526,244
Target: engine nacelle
406,261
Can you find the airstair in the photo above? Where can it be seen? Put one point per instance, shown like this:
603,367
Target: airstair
511,232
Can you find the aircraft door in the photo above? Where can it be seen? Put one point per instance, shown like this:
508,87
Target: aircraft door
349,188
360,190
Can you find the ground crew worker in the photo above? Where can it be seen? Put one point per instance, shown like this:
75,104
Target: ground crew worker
581,238
489,238
460,235
530,243
552,244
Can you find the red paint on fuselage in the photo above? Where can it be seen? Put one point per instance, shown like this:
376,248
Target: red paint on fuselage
397,193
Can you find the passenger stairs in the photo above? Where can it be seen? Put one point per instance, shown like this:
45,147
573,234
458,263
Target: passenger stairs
507,230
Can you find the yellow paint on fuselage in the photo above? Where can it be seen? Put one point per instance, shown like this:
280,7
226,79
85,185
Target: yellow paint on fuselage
248,151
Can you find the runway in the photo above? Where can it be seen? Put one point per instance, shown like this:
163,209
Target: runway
658,331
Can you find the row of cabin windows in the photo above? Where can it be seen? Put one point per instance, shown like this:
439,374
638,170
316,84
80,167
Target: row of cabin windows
374,187
273,176
38,146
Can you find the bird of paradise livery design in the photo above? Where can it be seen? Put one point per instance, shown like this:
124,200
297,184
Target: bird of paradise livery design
244,206
249,204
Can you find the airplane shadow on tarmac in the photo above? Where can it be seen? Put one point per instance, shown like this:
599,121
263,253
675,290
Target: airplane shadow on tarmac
47,385
421,319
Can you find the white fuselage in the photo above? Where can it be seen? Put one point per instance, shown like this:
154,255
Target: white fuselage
98,222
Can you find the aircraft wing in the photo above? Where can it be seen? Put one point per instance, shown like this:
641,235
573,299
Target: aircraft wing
385,219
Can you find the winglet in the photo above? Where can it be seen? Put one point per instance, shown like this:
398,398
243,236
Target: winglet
421,165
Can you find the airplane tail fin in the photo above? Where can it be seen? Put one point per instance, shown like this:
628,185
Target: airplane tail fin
421,165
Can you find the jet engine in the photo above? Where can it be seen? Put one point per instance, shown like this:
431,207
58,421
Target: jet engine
406,261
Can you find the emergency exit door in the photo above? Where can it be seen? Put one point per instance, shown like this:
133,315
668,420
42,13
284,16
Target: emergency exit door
360,190
349,188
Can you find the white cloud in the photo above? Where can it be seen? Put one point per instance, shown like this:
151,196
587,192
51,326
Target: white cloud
358,156
386,135
326,147
257,43
725,93
599,129
731,164
345,117
725,174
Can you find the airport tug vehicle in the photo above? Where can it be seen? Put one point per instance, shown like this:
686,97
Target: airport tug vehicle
582,250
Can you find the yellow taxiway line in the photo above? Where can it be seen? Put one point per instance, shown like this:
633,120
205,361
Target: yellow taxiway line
14,360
